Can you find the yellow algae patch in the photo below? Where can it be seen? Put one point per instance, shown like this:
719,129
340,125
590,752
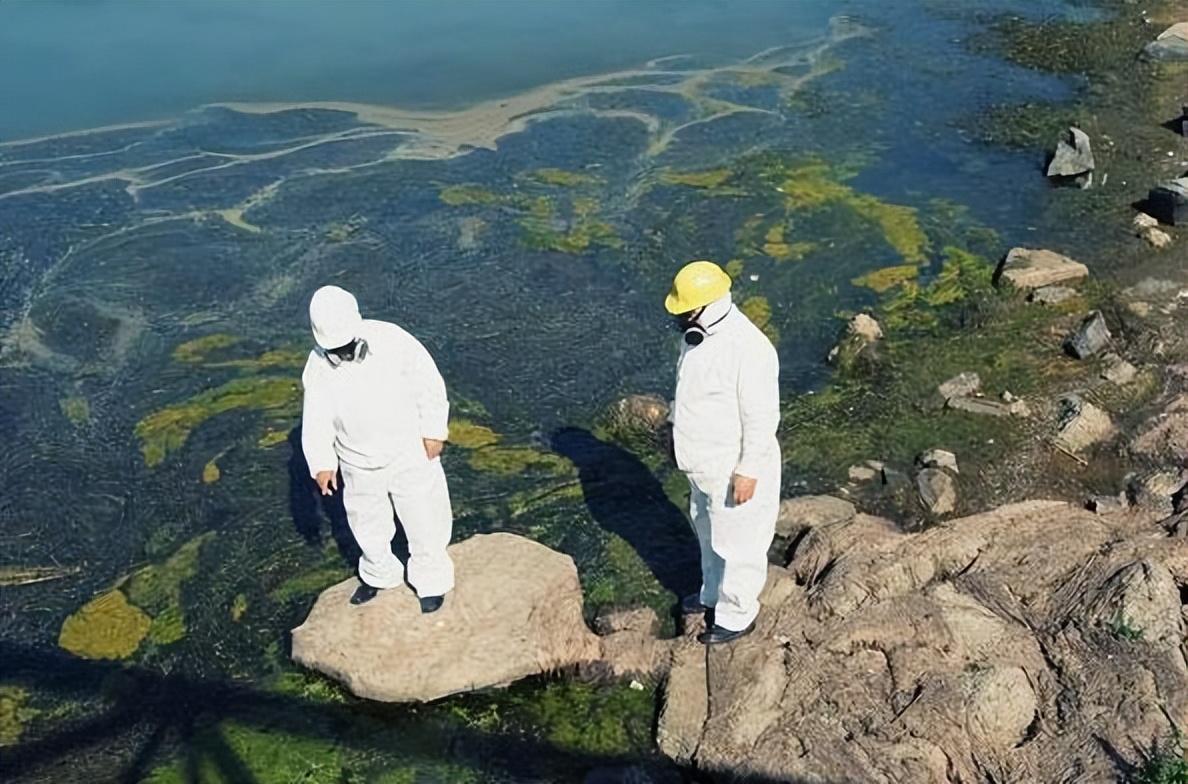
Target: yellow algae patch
710,178
470,435
198,349
272,438
779,249
76,409
14,714
211,472
166,431
458,195
561,177
157,589
734,268
107,627
238,607
276,358
887,278
583,230
758,310
512,460
900,227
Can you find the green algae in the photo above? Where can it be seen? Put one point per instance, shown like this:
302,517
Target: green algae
613,721
778,248
290,358
271,438
758,310
239,606
734,268
76,409
562,177
107,627
265,754
165,431
963,276
887,278
708,179
199,350
15,714
468,434
461,195
514,460
621,578
157,589
211,472
307,584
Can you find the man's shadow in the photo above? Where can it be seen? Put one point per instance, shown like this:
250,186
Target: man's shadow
625,498
310,508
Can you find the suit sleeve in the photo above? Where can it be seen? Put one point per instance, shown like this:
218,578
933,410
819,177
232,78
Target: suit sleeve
317,424
759,409
433,406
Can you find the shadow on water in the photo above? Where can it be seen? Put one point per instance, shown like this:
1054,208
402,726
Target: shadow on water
625,498
309,508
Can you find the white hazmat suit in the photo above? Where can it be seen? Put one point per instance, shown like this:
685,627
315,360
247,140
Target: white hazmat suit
724,417
369,417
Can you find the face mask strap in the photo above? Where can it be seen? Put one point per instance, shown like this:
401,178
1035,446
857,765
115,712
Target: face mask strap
337,360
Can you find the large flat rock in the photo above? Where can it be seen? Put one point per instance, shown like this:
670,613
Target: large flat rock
1033,268
516,612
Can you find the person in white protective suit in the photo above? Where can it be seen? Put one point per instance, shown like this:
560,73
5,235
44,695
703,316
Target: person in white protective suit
376,408
724,420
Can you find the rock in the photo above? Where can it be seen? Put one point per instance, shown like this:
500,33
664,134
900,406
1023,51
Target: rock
1171,45
807,511
938,458
1117,370
1051,295
640,412
1164,437
1158,491
1107,504
947,655
516,612
1157,238
1019,408
1082,424
865,327
1073,159
962,385
1090,336
637,619
977,405
858,342
1169,202
937,491
1144,221
863,473
1028,268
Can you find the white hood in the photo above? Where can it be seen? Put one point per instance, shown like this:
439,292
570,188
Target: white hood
334,317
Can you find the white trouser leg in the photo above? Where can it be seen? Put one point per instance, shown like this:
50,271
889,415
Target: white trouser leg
711,564
422,502
740,536
369,513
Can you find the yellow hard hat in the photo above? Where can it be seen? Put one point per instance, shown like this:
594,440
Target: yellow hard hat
697,284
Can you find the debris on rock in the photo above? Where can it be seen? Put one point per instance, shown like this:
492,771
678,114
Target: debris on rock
962,385
937,490
1073,160
1033,268
807,511
1082,424
1090,337
1169,202
1107,504
1171,45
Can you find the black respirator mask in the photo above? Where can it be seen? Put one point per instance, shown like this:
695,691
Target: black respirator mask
354,351
694,333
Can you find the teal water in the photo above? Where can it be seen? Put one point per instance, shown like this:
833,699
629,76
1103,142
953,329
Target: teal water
153,285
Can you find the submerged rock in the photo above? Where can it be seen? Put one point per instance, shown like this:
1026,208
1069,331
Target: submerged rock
936,656
1090,337
516,612
1171,45
1073,159
1032,268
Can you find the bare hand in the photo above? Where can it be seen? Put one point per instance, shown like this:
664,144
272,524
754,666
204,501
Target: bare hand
433,448
744,488
327,481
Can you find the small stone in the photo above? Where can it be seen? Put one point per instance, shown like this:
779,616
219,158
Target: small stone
937,491
1073,159
863,473
1091,336
1051,295
938,458
1082,424
1107,504
1007,397
962,385
864,326
1117,370
976,405
1157,238
1145,221
1019,408
1171,45
1139,308
1033,268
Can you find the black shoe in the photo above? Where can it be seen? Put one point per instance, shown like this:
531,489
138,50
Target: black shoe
431,604
718,635
691,605
363,594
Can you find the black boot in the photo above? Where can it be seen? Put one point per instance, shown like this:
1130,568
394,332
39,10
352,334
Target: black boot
691,605
363,594
718,635
431,604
